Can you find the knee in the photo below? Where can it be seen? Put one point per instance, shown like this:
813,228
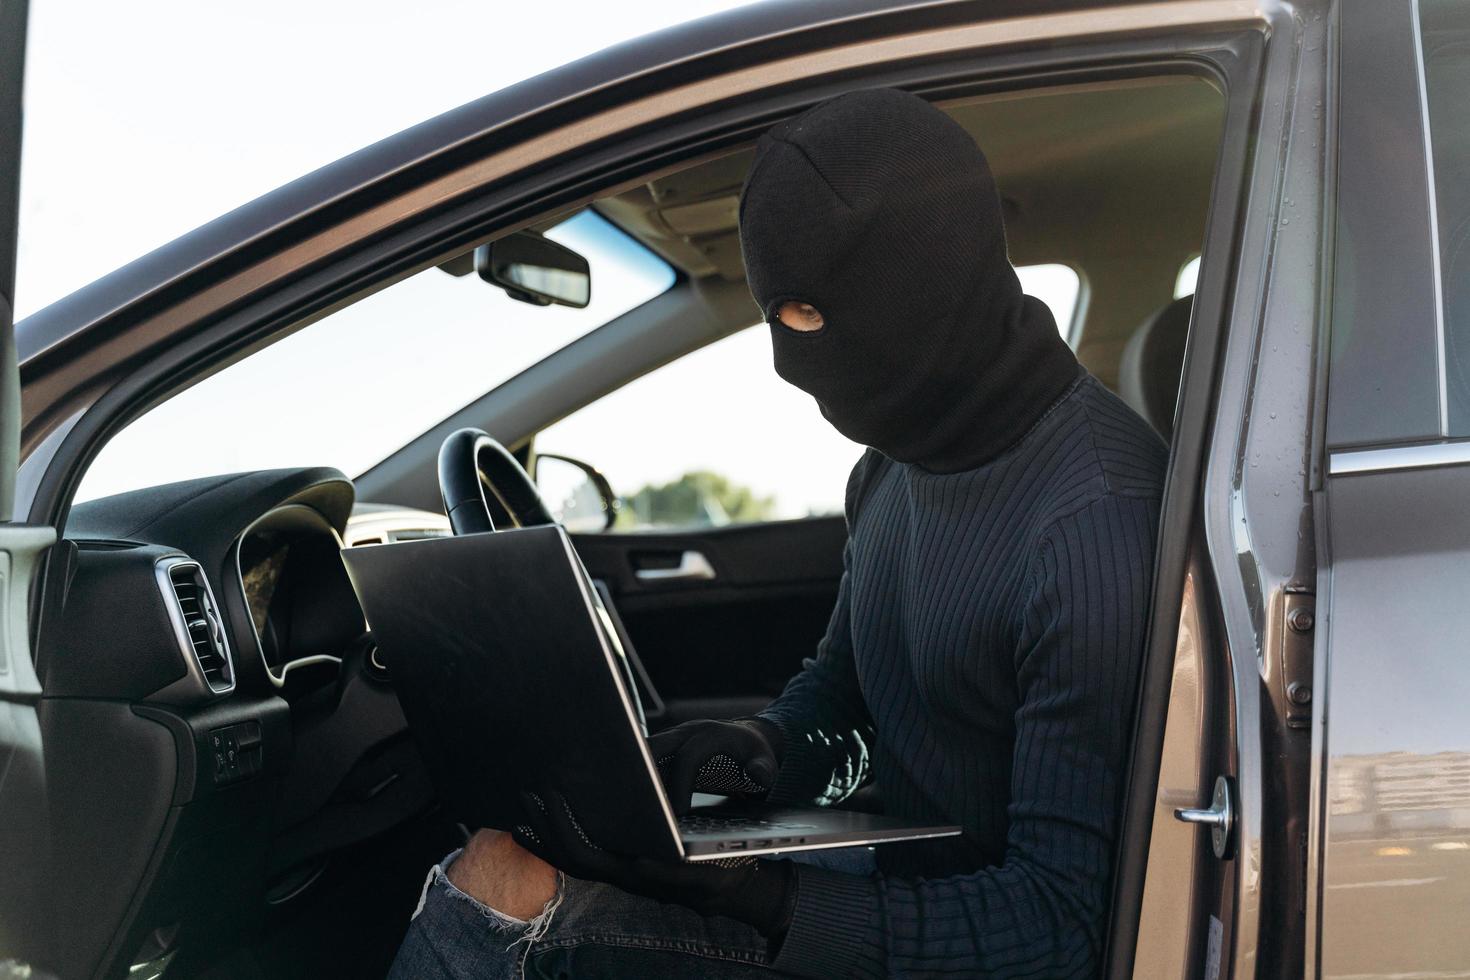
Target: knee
497,872
453,935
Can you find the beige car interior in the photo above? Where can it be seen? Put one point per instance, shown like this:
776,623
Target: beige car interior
1112,179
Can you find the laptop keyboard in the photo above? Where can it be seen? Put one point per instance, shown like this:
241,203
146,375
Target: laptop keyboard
696,823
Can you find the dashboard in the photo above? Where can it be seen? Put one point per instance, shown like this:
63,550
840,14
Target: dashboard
213,676
258,577
302,610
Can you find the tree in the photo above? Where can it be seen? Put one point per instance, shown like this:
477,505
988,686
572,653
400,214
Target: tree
698,498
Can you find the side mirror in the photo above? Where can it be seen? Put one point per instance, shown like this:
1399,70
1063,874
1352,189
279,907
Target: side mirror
535,269
578,496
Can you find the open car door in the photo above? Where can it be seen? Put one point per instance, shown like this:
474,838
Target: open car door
23,821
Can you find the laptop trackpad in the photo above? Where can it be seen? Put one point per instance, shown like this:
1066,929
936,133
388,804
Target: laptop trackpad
708,799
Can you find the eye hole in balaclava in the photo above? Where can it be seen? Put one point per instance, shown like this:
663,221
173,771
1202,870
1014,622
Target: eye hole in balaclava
874,216
801,317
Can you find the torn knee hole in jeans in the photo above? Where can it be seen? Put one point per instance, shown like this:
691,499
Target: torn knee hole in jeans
530,930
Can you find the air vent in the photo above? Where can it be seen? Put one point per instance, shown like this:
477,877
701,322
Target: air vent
199,625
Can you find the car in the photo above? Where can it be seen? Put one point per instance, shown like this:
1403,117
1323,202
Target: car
205,770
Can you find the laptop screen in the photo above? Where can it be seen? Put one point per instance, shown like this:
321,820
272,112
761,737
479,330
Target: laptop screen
512,676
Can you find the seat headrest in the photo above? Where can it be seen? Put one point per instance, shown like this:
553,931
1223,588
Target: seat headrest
1148,375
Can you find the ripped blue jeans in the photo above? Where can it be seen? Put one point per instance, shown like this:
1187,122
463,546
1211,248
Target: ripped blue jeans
588,929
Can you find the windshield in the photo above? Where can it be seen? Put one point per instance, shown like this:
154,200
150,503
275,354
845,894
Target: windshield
350,389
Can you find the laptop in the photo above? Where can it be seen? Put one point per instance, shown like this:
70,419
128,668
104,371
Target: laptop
512,678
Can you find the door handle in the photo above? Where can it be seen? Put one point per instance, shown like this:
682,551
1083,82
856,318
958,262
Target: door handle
692,567
1219,816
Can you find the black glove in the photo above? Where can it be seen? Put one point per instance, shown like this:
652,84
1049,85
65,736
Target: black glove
758,893
735,758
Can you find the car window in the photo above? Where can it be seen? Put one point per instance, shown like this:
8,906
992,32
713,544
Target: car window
714,438
353,387
717,437
1445,28
1059,287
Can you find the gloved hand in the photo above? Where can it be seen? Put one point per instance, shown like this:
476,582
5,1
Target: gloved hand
758,893
735,758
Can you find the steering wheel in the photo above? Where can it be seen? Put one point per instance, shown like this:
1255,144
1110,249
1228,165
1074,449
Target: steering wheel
483,486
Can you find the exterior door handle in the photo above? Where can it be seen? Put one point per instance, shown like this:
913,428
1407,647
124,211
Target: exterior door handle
1219,817
692,567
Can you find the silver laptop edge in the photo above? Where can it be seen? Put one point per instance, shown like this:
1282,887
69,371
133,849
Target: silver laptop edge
584,587
859,840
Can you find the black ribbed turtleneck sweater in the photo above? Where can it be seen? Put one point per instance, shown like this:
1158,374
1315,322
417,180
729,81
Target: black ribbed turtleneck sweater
980,666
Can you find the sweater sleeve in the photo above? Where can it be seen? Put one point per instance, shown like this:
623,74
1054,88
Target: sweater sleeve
825,726
1041,912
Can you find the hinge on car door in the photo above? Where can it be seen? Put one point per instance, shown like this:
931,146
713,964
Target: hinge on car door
1298,622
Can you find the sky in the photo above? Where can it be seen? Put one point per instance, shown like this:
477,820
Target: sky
144,121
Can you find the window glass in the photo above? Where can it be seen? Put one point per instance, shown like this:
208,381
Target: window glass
355,386
1445,27
715,437
718,438
1058,286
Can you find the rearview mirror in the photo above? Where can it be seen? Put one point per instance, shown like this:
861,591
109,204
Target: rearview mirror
534,269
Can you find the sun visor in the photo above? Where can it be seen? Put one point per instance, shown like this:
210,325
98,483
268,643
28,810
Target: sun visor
708,217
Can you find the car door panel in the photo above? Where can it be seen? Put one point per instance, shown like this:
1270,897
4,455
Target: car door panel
721,618
23,802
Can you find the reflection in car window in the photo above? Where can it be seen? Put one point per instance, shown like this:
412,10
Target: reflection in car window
1188,278
718,438
350,389
1445,26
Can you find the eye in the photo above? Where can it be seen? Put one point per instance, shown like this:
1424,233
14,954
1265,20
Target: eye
800,316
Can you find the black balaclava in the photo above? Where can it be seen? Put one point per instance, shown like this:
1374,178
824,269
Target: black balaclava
880,211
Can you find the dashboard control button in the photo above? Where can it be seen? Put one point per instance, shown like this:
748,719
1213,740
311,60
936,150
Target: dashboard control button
238,751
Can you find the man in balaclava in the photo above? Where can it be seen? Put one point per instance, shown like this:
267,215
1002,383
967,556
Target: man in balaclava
980,665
